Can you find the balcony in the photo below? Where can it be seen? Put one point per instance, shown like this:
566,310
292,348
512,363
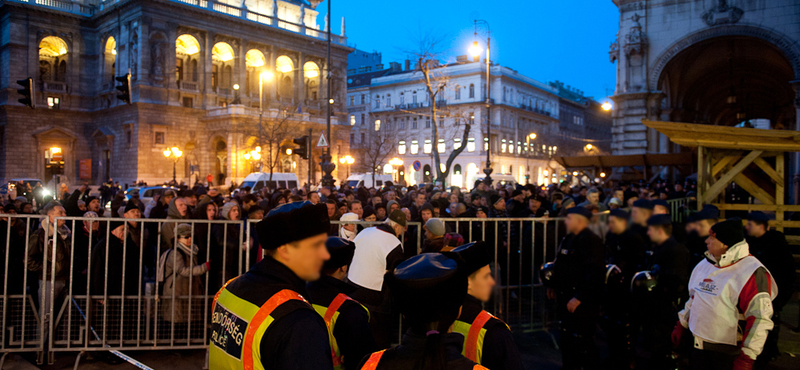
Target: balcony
54,87
410,106
530,108
268,114
188,86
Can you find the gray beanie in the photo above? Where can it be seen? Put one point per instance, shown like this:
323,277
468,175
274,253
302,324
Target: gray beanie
226,209
183,230
435,226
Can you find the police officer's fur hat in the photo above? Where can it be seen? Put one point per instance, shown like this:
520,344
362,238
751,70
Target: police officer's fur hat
292,222
429,287
476,255
341,251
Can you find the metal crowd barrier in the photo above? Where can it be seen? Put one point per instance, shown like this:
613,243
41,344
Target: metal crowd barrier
103,293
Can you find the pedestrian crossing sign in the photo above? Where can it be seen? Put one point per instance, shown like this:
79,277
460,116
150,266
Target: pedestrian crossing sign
322,143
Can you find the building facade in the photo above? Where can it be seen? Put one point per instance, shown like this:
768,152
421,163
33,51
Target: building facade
218,82
717,62
584,126
393,103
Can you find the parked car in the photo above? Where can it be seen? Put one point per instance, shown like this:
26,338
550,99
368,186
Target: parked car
258,180
357,180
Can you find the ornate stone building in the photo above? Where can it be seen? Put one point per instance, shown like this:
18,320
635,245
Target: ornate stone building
717,62
196,70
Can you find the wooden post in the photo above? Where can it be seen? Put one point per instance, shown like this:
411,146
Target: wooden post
701,176
779,190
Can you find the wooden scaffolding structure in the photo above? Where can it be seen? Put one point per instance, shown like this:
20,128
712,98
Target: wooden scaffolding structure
752,158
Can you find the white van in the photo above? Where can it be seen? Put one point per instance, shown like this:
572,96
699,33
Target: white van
355,181
502,179
258,180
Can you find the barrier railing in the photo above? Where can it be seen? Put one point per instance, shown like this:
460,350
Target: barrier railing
100,284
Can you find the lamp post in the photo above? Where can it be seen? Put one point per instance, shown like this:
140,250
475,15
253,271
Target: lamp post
236,99
254,156
326,164
176,154
396,162
528,139
475,50
348,160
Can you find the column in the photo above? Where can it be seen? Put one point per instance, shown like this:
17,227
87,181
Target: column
794,170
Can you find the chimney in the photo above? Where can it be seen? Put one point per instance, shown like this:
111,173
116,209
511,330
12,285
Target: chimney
342,26
408,65
476,58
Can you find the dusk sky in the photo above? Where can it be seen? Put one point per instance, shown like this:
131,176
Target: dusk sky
566,40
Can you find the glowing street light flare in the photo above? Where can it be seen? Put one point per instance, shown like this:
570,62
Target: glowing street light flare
606,106
167,153
247,156
575,173
266,75
532,136
602,174
475,50
589,146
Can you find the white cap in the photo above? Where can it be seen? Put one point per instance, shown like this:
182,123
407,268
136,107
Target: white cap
349,217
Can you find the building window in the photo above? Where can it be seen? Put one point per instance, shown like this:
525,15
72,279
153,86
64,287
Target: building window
363,99
414,147
352,120
377,101
471,118
427,147
159,138
128,137
441,147
486,143
427,123
362,137
402,125
388,100
377,125
179,70
456,143
471,144
402,99
441,121
414,97
352,100
503,146
187,102
401,147
53,102
471,91
458,92
414,124
519,147
362,119
352,138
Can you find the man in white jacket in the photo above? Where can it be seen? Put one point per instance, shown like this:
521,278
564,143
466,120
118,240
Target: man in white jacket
730,303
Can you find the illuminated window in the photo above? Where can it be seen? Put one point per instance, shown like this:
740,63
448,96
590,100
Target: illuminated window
53,102
401,147
519,147
377,125
441,147
456,143
352,119
471,144
414,147
486,143
503,146
427,147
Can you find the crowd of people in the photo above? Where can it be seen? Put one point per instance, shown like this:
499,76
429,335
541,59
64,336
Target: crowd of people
198,243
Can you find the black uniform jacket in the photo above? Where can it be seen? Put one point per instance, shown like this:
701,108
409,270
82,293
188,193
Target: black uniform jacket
499,350
351,331
773,251
412,347
672,260
580,267
298,338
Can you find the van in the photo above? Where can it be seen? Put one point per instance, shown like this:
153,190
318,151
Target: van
501,179
356,181
258,180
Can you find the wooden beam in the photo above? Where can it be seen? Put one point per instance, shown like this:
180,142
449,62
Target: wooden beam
759,207
764,166
780,170
792,224
723,162
701,176
723,181
745,183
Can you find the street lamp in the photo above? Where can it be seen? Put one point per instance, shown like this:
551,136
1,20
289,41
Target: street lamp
348,160
176,154
475,50
589,147
326,164
607,106
396,162
253,156
236,99
528,139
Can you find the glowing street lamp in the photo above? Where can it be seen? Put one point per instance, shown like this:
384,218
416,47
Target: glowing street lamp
176,154
606,106
589,147
253,156
348,160
397,162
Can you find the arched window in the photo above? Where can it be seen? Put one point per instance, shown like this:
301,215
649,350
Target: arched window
187,51
457,169
311,76
284,66
222,57
472,91
254,63
52,59
110,59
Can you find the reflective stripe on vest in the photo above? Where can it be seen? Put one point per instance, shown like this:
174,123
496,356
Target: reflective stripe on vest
474,339
216,296
375,358
336,354
263,313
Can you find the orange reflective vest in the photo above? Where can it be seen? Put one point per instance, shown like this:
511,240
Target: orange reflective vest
330,314
375,358
474,334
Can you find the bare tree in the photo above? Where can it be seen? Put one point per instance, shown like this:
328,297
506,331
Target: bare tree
376,150
272,132
429,46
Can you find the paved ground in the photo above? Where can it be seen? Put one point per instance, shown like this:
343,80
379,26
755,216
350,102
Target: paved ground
538,352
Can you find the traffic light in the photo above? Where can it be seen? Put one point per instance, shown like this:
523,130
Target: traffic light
125,88
303,150
28,92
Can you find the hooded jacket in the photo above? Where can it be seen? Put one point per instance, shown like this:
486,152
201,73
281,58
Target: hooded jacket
168,229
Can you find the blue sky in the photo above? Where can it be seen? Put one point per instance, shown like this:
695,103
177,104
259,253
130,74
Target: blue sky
564,40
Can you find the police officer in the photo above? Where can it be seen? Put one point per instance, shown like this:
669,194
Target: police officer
641,211
627,252
697,229
578,286
661,207
670,264
428,289
347,320
261,319
487,339
771,248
